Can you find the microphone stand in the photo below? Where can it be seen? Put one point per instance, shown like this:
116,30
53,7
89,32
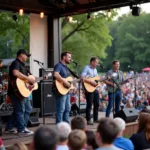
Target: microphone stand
78,73
43,105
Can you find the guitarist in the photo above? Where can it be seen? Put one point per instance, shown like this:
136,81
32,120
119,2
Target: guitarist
117,76
91,97
62,101
18,70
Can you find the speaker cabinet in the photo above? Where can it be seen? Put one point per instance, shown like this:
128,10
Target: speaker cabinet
49,73
43,97
128,114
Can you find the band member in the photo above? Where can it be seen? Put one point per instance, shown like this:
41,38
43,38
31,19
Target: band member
91,98
19,117
62,101
117,76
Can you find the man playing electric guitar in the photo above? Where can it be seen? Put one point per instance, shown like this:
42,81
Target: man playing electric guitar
91,97
116,95
20,114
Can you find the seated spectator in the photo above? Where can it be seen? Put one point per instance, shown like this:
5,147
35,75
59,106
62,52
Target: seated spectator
106,133
64,130
129,104
141,139
79,122
77,140
120,141
45,138
91,140
103,106
139,106
18,146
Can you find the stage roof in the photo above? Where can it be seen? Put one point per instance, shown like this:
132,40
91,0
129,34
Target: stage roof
65,7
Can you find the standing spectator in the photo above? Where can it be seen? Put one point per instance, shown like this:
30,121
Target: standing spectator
77,140
120,141
106,133
141,139
45,138
64,130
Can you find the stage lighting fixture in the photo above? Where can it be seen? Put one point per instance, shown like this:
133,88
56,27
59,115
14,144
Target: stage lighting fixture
136,10
42,15
21,12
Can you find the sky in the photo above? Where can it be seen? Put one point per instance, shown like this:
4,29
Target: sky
124,10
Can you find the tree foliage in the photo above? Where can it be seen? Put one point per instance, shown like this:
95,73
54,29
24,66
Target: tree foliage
131,41
14,34
86,38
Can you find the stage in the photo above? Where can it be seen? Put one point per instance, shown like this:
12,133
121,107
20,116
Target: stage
9,139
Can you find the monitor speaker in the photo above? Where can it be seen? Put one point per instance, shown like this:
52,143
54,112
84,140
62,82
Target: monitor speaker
128,114
43,97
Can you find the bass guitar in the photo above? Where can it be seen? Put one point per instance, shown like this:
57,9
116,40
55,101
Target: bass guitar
62,89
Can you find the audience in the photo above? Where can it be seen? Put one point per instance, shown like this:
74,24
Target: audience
91,140
106,133
64,130
120,141
1,145
141,139
45,138
79,122
18,146
77,140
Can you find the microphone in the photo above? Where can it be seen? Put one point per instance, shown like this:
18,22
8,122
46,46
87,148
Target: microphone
38,61
129,67
74,62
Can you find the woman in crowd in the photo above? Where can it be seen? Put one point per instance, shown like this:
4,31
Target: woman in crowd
141,139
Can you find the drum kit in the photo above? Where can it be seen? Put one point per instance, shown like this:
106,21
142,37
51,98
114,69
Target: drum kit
5,102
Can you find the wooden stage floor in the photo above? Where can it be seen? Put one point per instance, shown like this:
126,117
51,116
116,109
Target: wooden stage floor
9,139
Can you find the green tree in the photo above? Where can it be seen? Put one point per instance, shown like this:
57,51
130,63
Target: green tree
86,38
14,33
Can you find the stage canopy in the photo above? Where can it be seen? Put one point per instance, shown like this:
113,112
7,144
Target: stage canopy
59,8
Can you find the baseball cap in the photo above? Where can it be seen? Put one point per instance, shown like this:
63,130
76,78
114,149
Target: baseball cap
22,51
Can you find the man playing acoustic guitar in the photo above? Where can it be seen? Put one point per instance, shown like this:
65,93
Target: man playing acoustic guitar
20,116
90,71
116,93
62,101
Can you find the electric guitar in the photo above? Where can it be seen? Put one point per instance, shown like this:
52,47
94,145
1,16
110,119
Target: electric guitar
112,89
23,88
62,89
90,88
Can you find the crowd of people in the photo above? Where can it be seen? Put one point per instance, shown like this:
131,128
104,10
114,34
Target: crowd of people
128,93
76,136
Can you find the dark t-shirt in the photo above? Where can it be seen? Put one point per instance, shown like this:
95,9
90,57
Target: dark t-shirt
139,141
16,65
62,70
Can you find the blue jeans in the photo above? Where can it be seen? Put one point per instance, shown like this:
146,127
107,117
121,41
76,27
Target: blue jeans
118,97
62,107
18,114
28,109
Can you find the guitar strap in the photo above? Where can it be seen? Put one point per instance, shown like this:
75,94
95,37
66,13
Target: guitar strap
76,76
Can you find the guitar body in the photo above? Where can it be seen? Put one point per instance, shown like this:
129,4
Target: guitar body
61,88
24,89
90,88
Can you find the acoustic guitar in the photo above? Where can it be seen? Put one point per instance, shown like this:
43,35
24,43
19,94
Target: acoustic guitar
64,90
90,88
23,88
